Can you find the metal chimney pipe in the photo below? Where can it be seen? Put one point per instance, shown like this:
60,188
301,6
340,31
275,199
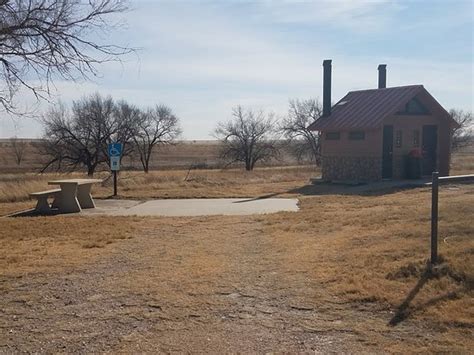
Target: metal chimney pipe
382,76
327,87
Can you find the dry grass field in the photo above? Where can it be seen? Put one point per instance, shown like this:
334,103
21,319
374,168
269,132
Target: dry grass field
181,155
347,273
210,183
463,161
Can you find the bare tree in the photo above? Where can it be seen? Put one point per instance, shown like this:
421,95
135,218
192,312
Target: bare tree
45,39
294,126
18,147
157,126
464,133
125,126
249,137
79,137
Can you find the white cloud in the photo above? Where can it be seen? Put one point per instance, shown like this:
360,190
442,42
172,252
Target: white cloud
355,15
203,59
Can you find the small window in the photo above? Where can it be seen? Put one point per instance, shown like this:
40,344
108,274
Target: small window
414,107
357,135
416,138
398,139
333,136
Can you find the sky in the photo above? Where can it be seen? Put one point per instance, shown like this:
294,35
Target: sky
201,58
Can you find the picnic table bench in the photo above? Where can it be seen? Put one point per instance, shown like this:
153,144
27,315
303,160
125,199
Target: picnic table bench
42,206
72,196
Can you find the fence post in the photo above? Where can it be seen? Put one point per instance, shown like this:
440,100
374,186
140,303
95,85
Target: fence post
434,218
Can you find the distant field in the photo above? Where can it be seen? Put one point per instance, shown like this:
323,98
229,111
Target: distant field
199,154
182,155
462,161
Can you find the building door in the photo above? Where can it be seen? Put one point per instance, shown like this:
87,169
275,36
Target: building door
430,139
387,155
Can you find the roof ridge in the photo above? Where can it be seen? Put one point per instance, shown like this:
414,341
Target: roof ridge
392,87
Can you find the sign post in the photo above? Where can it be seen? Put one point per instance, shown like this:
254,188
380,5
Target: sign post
115,182
115,152
434,218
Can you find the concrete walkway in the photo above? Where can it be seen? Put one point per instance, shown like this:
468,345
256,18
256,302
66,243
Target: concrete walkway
193,207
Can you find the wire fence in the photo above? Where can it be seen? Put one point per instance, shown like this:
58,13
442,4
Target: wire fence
436,180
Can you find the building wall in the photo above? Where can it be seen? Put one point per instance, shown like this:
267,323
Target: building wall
350,168
444,148
361,160
407,125
346,159
371,146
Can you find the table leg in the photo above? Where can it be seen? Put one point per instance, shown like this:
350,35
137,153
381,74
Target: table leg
42,206
68,202
56,201
84,196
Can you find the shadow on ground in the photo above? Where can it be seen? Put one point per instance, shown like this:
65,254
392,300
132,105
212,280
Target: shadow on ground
362,189
406,309
32,213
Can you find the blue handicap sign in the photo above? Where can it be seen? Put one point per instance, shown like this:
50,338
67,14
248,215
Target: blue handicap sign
115,149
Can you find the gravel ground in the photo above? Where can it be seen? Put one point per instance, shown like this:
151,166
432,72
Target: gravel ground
174,289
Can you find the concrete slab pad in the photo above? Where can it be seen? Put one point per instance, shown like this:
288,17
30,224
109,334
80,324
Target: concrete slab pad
193,207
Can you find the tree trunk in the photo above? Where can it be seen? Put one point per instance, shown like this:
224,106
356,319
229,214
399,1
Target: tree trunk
248,166
90,170
252,165
142,160
146,164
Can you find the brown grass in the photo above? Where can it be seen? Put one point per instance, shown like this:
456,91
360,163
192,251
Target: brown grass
351,267
214,183
463,162
190,184
346,274
55,242
180,155
391,236
164,184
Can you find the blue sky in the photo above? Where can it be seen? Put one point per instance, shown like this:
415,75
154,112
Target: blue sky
201,58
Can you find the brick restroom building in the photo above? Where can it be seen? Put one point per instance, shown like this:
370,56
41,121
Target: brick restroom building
368,134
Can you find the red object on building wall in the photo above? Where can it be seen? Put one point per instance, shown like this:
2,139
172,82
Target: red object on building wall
415,153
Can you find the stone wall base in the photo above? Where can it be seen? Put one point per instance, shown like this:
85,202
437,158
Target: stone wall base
351,168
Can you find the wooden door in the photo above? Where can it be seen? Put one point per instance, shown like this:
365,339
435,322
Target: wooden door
387,154
430,140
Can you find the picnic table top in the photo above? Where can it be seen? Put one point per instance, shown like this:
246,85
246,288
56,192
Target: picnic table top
74,181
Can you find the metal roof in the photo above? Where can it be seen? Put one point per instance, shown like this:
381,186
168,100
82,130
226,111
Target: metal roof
366,109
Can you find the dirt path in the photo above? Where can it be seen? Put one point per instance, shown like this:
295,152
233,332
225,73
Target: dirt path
239,305
191,286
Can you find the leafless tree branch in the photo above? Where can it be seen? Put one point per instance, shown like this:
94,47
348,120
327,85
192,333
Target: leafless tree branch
79,137
463,134
157,126
249,137
41,40
294,127
18,147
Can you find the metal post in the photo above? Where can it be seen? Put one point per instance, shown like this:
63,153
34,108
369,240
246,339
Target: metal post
115,183
434,218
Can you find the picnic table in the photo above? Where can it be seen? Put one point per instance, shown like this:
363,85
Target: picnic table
75,194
